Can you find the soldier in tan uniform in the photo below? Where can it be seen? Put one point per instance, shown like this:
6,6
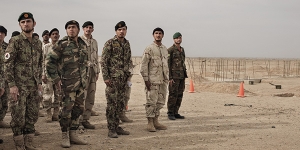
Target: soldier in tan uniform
93,73
45,36
155,72
48,85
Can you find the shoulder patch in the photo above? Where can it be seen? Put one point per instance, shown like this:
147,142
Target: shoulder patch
7,56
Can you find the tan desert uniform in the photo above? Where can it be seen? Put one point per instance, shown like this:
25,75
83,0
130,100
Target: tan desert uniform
154,68
93,70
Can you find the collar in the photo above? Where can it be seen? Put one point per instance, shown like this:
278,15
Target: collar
85,38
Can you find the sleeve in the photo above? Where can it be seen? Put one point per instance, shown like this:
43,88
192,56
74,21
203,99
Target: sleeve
9,59
170,61
44,50
145,63
97,62
52,60
105,58
40,65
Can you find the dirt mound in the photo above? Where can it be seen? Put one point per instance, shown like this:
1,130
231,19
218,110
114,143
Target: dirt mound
219,87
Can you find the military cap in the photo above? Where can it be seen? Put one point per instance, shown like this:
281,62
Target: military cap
45,32
3,30
26,15
176,35
120,25
35,34
54,29
158,29
73,22
15,33
88,23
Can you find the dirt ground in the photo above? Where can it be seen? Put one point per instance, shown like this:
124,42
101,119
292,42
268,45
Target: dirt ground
215,119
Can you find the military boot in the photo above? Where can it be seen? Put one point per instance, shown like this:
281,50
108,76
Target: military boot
121,131
150,126
112,134
94,113
49,115
87,125
28,140
157,125
4,124
123,118
74,139
55,114
19,142
65,142
41,114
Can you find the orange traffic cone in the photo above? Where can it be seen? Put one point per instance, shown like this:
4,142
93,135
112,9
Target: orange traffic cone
241,92
191,87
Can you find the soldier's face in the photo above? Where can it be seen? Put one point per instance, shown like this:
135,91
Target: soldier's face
158,35
46,37
121,32
72,30
2,36
88,30
27,25
54,36
178,40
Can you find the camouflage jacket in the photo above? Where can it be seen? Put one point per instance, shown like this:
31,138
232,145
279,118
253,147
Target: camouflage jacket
154,65
176,59
3,47
92,47
46,49
68,62
116,59
23,62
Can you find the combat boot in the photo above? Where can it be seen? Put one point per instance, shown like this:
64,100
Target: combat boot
65,142
41,114
28,140
19,142
49,115
112,134
74,139
157,125
94,113
4,124
121,131
87,125
55,114
150,126
123,118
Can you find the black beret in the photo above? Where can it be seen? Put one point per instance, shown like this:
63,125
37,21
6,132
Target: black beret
3,30
54,29
35,34
120,25
15,33
26,15
158,29
88,23
45,32
72,22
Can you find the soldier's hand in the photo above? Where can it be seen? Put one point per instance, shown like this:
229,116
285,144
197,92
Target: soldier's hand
1,91
58,85
108,83
14,92
148,85
44,79
171,82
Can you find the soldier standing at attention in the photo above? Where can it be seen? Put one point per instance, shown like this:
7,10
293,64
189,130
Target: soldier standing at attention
45,36
66,66
3,84
177,75
23,61
116,63
49,86
155,72
92,74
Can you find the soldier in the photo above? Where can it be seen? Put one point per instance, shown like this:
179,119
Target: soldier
3,84
36,36
155,72
177,75
123,116
116,63
15,33
49,86
45,36
23,67
93,72
66,67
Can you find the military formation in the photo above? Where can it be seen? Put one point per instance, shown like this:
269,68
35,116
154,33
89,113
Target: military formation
59,77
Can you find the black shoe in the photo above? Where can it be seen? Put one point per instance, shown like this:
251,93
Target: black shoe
178,116
171,117
1,141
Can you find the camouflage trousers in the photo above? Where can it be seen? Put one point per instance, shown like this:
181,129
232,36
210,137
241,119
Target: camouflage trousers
156,99
115,102
3,104
175,95
90,95
49,89
24,111
72,108
127,95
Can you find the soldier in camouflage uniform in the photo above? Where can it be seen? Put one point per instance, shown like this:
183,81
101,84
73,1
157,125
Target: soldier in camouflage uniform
48,85
155,72
67,66
177,75
3,84
115,63
23,67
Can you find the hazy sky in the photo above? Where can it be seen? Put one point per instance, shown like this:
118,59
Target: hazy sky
210,28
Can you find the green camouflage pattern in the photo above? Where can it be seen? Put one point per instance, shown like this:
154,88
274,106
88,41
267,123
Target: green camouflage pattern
175,95
3,47
176,59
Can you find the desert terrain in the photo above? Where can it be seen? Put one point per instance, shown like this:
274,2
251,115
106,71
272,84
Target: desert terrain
216,119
